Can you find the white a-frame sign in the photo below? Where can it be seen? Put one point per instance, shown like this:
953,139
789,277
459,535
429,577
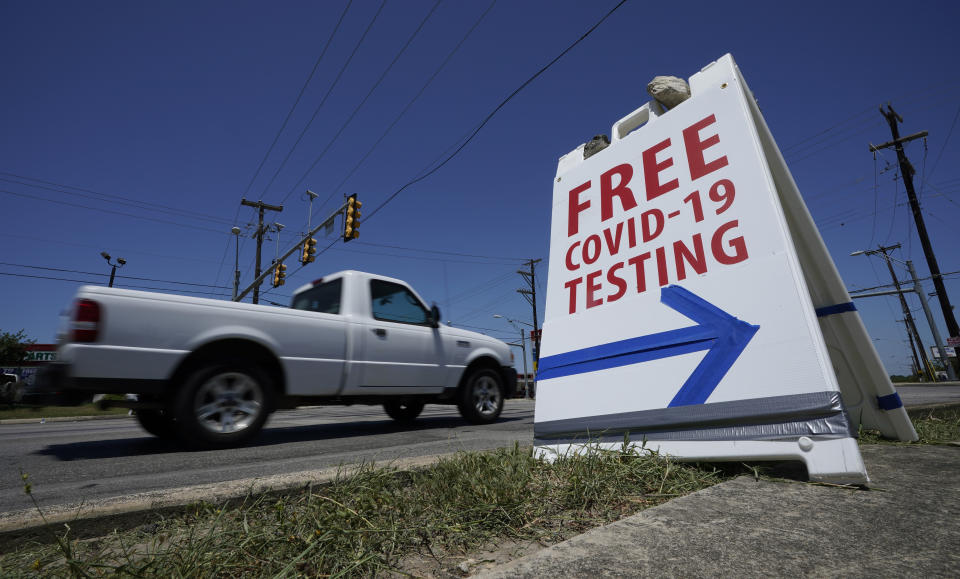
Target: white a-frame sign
692,305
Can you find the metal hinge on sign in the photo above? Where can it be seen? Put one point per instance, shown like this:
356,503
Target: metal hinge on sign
463,344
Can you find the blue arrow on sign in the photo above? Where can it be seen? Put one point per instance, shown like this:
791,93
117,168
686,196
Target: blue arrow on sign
723,335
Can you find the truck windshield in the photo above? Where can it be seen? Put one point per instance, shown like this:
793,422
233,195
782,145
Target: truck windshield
324,298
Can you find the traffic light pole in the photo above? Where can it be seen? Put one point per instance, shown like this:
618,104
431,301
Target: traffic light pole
262,276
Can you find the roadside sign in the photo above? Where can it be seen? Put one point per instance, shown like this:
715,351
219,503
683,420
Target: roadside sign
692,304
953,341
950,350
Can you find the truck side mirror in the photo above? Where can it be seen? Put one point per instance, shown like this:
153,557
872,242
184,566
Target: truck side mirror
435,316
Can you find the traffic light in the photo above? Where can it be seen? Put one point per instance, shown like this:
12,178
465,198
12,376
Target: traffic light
279,273
309,251
351,219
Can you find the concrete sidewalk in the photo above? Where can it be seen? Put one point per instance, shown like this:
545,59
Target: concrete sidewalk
906,525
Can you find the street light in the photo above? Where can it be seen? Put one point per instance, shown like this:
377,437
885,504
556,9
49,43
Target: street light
523,349
113,266
236,263
918,289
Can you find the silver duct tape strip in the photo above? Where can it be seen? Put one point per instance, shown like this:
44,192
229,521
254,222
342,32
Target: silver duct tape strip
833,426
815,413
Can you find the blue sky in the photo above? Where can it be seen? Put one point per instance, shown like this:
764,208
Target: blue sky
136,128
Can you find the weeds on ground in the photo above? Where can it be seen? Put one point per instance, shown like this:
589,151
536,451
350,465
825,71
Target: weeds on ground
369,518
937,426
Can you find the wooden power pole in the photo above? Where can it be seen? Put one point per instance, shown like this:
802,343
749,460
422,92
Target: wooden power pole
261,207
907,171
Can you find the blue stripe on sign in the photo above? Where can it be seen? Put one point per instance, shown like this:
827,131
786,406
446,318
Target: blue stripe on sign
889,402
836,309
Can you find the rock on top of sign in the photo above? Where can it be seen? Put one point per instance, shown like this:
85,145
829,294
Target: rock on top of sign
669,90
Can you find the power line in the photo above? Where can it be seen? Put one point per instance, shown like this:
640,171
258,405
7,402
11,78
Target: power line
107,197
61,241
437,251
84,281
105,275
296,102
415,98
945,141
197,227
333,85
497,109
362,102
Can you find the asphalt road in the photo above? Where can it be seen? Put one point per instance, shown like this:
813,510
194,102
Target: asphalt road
73,462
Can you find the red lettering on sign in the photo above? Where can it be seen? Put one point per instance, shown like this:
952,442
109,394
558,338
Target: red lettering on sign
613,242
616,280
738,244
645,227
576,208
588,255
592,288
637,263
570,265
695,148
608,191
652,169
696,260
572,286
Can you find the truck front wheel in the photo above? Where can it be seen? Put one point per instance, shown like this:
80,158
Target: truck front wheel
481,397
222,405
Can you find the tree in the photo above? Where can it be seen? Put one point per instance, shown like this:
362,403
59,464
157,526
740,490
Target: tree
13,352
13,347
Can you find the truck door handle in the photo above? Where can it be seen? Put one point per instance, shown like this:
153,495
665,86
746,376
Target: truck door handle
380,332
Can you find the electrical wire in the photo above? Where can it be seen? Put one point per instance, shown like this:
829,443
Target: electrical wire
296,102
362,102
415,98
97,195
58,201
496,110
84,281
62,270
323,101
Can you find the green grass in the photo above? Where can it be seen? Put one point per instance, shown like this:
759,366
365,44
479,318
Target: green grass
372,521
38,412
369,520
933,427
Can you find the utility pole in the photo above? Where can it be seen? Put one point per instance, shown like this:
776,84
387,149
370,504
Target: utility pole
908,317
913,350
261,207
918,289
531,297
907,171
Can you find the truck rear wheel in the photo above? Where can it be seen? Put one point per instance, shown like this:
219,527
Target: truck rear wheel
481,397
404,411
223,404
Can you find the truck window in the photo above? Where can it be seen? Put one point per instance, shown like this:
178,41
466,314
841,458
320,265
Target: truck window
395,303
323,298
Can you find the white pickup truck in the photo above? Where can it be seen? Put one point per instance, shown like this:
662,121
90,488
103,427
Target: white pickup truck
208,372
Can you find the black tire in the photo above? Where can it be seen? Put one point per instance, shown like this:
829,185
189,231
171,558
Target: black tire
157,422
403,411
480,399
222,405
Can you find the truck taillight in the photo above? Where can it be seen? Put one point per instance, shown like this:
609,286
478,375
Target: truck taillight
86,321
